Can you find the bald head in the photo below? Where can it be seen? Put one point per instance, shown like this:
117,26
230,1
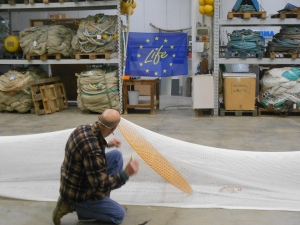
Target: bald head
110,118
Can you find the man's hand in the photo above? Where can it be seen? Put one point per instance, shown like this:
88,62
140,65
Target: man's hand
132,168
114,143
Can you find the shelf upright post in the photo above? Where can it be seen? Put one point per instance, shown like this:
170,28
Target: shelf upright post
216,43
120,56
9,22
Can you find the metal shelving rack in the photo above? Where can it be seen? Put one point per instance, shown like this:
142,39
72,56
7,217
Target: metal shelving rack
69,6
218,23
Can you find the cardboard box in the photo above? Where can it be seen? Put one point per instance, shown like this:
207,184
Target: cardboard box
239,91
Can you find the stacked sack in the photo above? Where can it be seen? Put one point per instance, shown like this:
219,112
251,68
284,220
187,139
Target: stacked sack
47,40
98,89
15,92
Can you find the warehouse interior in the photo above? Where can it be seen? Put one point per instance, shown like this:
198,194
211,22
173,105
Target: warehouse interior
228,100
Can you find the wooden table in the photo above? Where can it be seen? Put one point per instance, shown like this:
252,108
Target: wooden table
142,104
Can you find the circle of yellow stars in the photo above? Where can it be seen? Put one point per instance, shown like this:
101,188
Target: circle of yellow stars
147,41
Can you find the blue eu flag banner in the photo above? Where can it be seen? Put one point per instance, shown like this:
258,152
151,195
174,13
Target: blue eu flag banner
156,54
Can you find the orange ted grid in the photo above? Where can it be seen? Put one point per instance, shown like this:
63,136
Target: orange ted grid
153,158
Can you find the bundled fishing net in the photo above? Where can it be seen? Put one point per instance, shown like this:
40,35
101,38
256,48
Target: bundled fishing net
245,42
15,89
4,33
287,40
47,40
281,88
97,33
98,90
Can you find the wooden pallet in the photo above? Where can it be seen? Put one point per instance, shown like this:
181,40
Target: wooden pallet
44,57
48,95
286,15
93,56
247,15
203,112
272,112
224,112
274,55
61,96
50,102
49,1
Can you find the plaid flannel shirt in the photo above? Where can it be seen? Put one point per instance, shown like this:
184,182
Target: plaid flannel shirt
84,169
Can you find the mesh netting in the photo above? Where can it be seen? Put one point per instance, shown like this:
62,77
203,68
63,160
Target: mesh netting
220,178
280,86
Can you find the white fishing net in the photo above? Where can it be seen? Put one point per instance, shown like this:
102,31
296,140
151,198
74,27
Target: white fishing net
220,178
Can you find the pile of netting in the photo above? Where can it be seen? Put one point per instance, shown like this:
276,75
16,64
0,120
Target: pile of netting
246,8
15,92
287,40
98,89
47,40
4,33
219,178
281,89
97,33
246,41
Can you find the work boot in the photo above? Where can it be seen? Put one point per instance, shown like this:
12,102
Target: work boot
62,208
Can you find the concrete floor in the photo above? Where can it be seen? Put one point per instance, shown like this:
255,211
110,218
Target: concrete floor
174,119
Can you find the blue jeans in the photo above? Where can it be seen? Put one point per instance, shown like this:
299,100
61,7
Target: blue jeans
105,210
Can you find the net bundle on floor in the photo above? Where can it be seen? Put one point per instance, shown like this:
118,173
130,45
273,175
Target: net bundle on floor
281,88
98,89
219,178
15,91
47,40
98,33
